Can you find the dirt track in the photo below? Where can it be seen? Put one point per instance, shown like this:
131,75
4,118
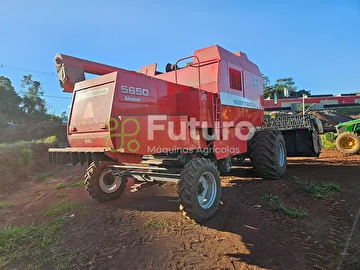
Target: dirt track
145,230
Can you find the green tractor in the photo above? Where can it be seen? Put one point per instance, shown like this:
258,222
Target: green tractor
348,137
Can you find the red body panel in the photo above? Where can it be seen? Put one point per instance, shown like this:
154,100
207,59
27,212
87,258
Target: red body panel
113,110
286,102
147,135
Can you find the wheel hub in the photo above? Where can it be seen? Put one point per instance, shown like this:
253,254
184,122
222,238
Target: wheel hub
109,179
108,182
281,152
348,143
207,190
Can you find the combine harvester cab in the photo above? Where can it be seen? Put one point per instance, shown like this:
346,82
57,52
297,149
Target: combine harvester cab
185,125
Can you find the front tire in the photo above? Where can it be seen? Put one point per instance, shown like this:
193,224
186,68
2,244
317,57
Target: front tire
102,185
348,143
199,189
268,154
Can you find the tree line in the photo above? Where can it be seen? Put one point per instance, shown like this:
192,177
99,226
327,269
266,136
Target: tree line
32,103
28,101
280,85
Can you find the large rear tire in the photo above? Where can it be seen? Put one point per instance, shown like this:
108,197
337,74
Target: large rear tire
102,185
199,189
268,154
348,143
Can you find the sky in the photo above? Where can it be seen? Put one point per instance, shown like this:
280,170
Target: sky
317,42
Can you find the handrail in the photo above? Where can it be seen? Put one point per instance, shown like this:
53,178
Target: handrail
182,59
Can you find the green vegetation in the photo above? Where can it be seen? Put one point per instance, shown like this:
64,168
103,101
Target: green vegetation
27,156
60,186
4,205
37,244
327,142
42,176
20,143
61,195
317,190
276,204
301,108
279,86
321,191
157,224
29,103
59,208
25,108
76,184
48,140
27,144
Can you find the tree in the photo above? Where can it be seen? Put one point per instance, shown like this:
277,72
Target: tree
303,92
9,98
280,85
33,103
285,83
268,89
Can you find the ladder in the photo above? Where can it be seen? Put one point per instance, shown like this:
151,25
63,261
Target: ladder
217,116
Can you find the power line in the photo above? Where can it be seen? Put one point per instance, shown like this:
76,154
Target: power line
53,74
28,70
57,97
35,71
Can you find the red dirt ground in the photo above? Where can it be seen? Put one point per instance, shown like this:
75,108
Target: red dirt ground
244,234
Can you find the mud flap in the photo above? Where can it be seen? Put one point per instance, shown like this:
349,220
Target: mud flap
302,143
317,143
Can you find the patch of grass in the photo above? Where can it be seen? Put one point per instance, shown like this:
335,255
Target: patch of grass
48,140
51,231
59,208
12,237
76,184
60,186
321,191
24,243
22,143
156,224
27,156
42,176
277,205
61,195
15,144
332,187
4,205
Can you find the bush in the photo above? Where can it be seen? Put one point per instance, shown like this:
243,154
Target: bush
27,156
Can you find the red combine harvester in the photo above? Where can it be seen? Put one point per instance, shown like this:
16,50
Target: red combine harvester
186,124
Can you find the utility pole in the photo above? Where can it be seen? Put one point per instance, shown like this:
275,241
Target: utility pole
303,104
